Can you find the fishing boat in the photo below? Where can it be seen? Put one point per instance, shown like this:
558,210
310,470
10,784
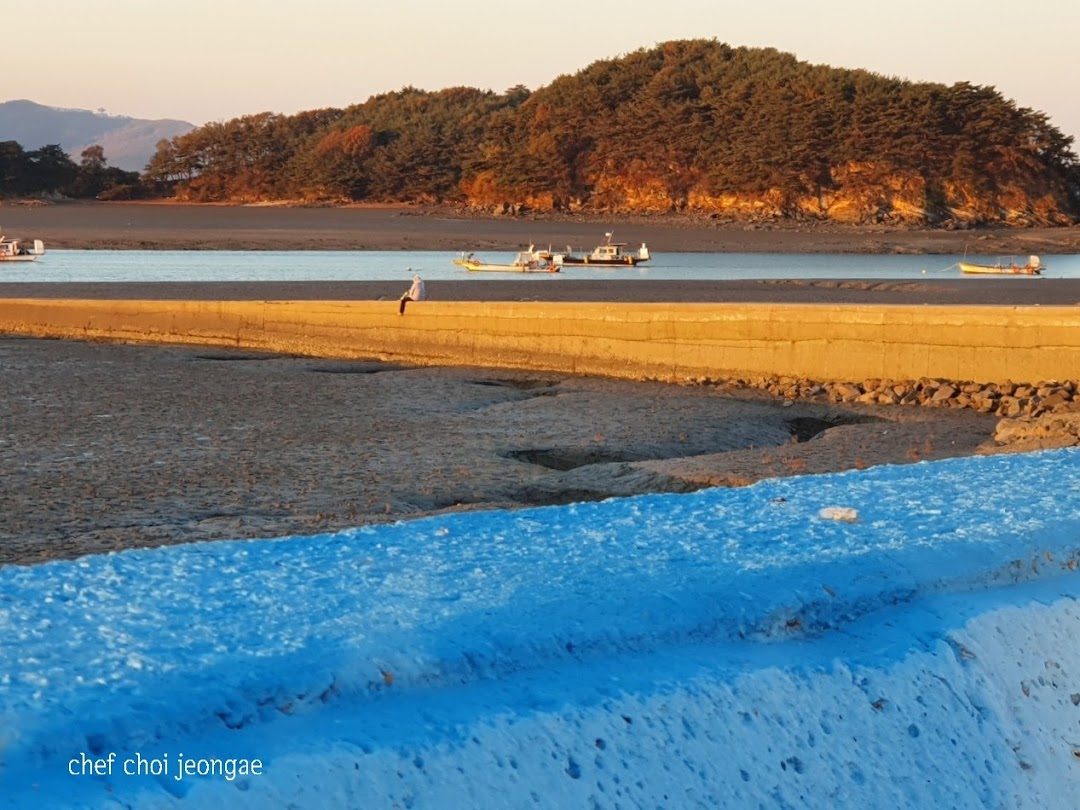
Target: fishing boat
609,254
1034,267
11,250
526,261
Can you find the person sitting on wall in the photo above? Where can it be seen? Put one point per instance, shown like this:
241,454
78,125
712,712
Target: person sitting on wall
415,293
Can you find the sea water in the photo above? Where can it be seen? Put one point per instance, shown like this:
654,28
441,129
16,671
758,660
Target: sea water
397,265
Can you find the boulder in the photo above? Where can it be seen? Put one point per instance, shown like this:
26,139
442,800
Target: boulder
1050,430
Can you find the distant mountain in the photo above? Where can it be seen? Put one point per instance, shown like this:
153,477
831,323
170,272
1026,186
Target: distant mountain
129,143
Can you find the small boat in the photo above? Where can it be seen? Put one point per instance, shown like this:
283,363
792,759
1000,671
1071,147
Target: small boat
527,261
12,251
609,254
1034,267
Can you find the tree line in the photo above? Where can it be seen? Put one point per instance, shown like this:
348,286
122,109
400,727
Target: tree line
49,170
690,125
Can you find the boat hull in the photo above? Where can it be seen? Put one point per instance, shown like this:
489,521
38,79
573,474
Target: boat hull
20,258
608,254
481,267
998,270
582,261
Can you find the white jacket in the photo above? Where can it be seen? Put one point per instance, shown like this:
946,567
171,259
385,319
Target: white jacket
416,291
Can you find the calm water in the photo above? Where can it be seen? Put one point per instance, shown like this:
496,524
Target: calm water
240,265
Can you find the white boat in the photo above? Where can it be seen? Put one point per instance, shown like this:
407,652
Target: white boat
609,254
1034,267
527,261
12,251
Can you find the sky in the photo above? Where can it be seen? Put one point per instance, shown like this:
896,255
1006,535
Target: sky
206,60
899,636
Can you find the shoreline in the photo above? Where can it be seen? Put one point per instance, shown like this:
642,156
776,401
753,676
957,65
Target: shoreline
187,226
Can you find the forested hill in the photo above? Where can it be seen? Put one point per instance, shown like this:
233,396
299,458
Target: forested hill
687,126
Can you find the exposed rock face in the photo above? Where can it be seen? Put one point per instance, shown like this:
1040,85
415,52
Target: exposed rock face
857,194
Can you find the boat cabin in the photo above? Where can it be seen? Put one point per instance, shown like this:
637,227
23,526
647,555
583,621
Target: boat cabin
10,249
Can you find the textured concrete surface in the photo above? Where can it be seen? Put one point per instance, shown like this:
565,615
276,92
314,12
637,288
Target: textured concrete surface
622,339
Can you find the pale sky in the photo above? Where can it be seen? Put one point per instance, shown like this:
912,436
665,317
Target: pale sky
212,60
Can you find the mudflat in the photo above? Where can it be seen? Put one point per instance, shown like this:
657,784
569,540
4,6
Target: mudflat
109,447
159,225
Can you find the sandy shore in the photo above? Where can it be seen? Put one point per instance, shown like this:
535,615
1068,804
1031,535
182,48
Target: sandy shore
89,225
110,447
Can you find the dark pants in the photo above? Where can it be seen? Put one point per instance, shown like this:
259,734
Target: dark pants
404,300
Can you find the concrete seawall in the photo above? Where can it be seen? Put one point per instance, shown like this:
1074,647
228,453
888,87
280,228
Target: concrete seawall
631,340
